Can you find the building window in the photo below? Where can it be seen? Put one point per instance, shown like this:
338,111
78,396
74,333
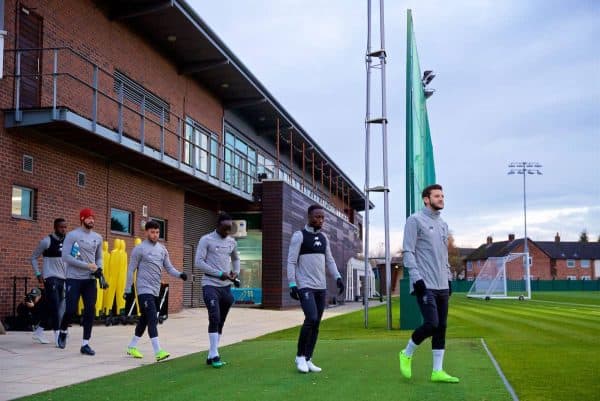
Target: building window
120,221
585,263
469,265
265,166
140,96
571,263
22,202
586,277
163,227
571,277
201,149
240,163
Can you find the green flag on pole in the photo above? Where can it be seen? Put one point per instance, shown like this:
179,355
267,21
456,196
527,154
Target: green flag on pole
420,166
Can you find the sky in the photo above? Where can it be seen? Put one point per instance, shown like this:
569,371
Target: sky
516,81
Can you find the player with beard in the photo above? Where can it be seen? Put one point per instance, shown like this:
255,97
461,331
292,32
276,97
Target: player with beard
82,254
425,255
52,277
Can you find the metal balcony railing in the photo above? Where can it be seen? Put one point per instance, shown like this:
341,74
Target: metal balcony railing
60,78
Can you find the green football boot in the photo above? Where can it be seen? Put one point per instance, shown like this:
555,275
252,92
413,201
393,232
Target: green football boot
439,376
405,364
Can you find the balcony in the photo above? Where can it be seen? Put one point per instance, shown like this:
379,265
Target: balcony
60,93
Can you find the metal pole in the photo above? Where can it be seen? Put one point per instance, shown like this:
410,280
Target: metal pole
54,83
367,172
526,246
386,217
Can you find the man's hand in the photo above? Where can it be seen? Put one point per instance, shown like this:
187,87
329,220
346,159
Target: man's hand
224,276
40,279
420,288
92,267
101,280
183,276
340,286
449,288
294,293
232,276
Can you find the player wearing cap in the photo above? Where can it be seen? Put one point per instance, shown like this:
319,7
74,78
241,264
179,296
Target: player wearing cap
82,254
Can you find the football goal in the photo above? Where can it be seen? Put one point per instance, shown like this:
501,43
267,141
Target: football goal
506,277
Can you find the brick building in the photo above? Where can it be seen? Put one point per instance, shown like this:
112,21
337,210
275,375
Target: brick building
139,111
560,260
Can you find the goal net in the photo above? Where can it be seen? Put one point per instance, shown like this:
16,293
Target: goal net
504,277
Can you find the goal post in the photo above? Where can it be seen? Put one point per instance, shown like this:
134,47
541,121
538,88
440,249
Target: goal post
505,277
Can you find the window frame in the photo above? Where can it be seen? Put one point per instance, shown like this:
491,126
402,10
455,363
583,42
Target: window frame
131,220
32,191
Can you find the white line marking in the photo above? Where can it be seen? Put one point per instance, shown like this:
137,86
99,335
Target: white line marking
566,303
497,366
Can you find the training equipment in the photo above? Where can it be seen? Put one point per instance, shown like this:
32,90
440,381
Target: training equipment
161,355
503,278
134,352
405,364
439,376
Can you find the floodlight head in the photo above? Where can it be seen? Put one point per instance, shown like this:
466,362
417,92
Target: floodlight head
539,172
512,165
511,172
428,92
530,172
427,77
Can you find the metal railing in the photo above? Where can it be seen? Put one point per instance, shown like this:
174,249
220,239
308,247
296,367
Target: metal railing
74,78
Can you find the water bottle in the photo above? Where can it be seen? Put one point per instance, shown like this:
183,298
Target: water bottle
75,250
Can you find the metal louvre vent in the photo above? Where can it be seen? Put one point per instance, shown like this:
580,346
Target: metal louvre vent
137,94
81,179
27,164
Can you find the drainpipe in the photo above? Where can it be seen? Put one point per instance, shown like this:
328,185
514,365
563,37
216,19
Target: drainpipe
2,35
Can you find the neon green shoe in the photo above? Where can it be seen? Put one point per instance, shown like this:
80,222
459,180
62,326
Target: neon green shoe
440,376
405,364
161,355
216,362
134,352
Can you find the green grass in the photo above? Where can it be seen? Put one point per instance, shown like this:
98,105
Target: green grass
547,350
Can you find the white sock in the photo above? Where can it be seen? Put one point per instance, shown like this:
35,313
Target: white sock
213,339
155,344
39,331
438,359
56,333
84,342
410,348
134,341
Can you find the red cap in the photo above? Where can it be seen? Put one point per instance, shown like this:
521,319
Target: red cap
85,213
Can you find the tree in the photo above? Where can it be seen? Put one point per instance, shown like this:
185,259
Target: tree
454,258
583,237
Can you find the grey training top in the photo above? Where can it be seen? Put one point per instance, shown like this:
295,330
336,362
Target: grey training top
308,270
90,251
425,249
149,258
215,255
52,266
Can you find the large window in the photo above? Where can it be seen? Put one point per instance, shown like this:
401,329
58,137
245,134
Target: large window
585,263
570,263
163,227
22,202
201,148
265,166
469,265
240,163
121,221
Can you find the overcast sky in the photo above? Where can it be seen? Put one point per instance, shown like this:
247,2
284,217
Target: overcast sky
516,80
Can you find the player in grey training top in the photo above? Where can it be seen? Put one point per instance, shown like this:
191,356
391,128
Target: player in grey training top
218,259
82,254
148,258
309,258
52,277
425,255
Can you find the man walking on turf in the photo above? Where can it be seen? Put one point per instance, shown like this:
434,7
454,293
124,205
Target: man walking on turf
52,277
425,256
82,254
148,258
309,258
217,257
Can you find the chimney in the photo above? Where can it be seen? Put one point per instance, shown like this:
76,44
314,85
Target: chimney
489,240
511,237
557,238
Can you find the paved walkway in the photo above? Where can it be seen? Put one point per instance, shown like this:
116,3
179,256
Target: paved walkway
25,366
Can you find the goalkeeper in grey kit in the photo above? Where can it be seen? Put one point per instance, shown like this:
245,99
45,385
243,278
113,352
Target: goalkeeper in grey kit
217,257
425,255
148,258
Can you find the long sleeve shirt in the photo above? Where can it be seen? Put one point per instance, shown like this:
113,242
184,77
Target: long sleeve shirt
90,251
309,258
149,258
52,266
216,255
425,249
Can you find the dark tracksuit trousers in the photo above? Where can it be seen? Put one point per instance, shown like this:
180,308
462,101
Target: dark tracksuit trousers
54,292
434,309
313,305
218,301
88,291
149,316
